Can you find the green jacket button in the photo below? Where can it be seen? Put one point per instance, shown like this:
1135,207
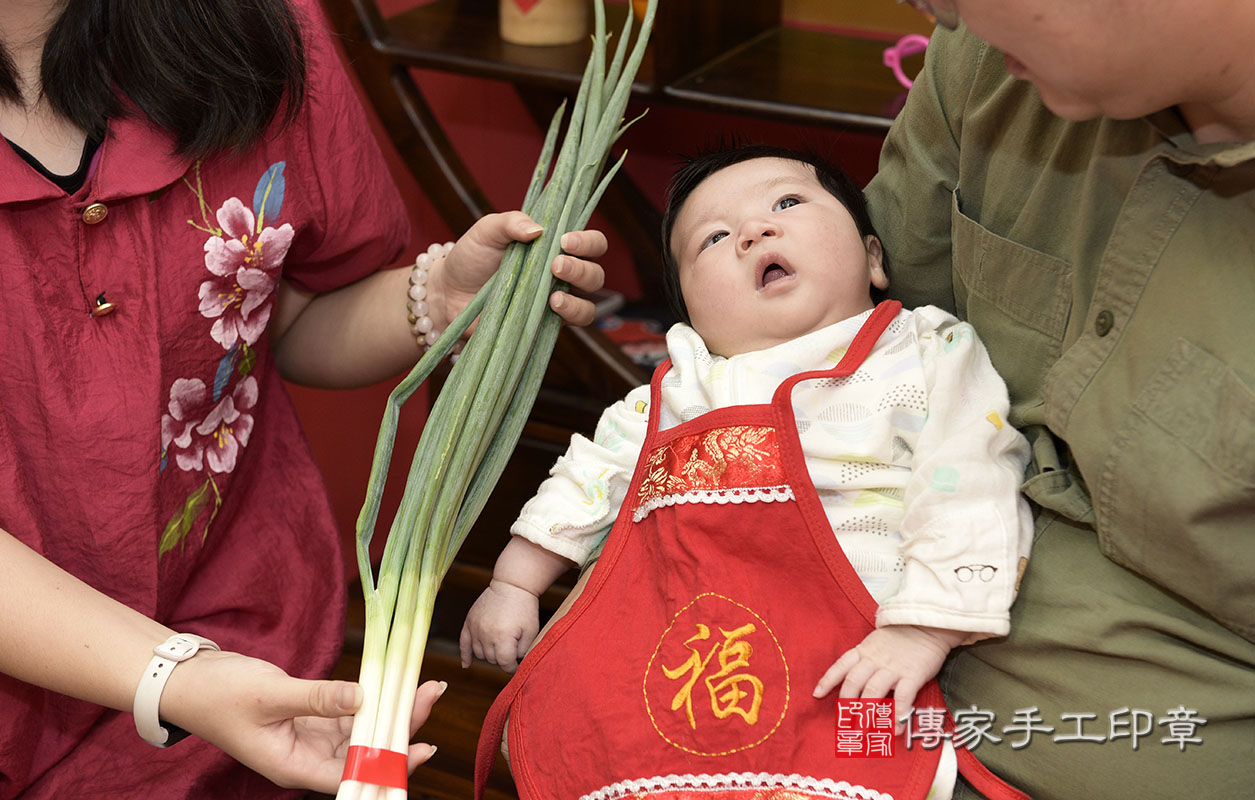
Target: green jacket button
1103,323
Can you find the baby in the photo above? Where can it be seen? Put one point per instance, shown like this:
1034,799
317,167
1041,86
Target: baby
771,262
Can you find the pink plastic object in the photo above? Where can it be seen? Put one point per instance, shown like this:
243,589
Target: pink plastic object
905,47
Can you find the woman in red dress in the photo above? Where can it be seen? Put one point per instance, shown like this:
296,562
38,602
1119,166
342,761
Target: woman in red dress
192,207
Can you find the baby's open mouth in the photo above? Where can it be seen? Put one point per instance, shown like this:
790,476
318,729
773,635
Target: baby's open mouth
772,268
772,273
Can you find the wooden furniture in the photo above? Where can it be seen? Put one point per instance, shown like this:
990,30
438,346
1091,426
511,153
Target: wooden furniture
731,56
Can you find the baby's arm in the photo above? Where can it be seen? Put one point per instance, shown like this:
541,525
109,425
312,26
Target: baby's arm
966,531
560,527
503,622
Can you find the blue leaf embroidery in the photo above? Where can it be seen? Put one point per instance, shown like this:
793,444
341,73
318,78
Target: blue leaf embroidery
224,371
268,197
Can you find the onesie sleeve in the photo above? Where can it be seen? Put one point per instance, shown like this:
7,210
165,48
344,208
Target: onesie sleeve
967,530
575,507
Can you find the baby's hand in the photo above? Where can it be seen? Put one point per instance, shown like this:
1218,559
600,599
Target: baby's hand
895,658
501,626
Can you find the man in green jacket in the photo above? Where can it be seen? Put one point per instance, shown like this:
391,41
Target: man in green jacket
1076,178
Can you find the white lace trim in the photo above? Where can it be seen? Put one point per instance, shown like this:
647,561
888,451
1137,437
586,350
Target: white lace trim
757,494
825,788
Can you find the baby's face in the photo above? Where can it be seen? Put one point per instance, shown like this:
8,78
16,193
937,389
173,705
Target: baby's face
766,255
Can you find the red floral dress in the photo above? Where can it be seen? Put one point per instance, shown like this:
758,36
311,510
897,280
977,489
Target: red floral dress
153,451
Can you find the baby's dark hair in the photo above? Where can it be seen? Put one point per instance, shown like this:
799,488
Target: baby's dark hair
696,169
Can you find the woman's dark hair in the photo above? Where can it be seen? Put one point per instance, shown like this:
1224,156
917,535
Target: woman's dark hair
214,73
696,169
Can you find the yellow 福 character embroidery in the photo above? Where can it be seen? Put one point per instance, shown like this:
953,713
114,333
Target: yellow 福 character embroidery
727,687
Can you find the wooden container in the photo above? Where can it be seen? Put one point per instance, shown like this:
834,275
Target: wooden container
545,22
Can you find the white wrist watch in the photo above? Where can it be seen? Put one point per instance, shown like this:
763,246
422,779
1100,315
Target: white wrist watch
166,656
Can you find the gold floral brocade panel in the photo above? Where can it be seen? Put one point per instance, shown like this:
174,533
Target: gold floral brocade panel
738,462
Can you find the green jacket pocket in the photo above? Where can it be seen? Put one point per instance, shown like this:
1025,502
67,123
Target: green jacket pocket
1017,298
1186,452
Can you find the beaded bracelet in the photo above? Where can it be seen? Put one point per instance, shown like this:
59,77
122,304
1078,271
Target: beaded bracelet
416,303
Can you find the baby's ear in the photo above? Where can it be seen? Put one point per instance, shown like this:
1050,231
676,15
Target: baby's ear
876,262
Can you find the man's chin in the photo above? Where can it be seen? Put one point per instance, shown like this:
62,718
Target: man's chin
1072,109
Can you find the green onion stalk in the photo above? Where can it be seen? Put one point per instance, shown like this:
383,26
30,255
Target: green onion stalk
479,414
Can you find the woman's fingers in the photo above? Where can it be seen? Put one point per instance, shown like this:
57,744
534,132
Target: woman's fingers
573,310
487,239
424,699
289,698
575,266
498,230
587,276
418,754
585,244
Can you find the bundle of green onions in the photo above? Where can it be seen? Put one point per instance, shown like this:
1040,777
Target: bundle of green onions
478,416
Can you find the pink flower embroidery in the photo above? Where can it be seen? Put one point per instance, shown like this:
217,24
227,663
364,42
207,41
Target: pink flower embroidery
228,427
201,432
187,398
246,269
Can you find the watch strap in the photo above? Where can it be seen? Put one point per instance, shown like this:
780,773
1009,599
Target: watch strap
166,656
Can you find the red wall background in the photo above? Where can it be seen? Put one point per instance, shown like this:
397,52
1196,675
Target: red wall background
500,143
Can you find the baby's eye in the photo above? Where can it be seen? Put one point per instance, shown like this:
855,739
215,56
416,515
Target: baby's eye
785,202
712,239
